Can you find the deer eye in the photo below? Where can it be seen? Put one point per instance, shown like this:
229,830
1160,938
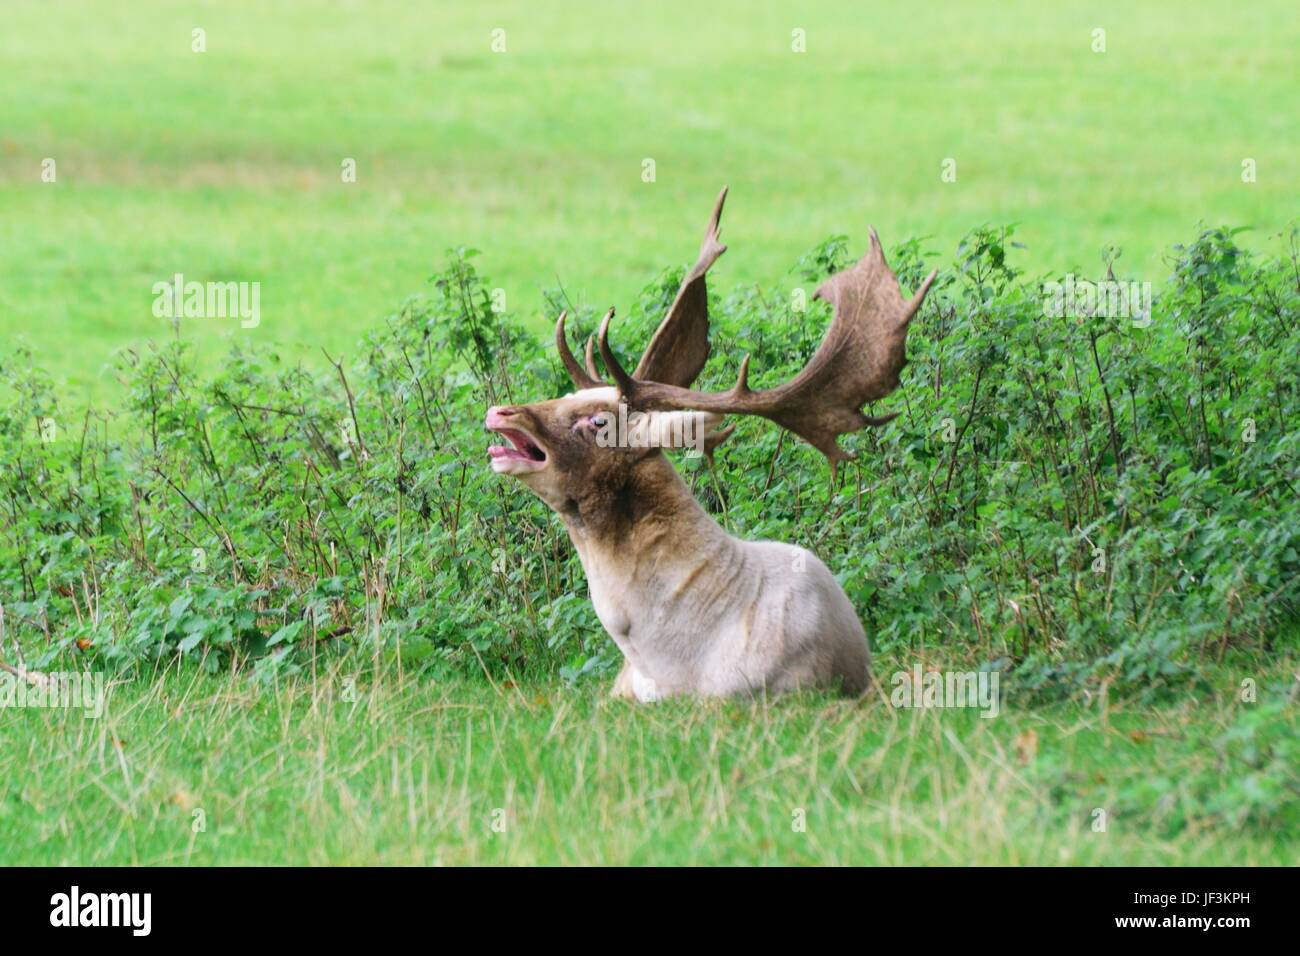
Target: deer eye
600,421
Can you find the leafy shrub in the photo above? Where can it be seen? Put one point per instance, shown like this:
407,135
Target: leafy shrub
1079,501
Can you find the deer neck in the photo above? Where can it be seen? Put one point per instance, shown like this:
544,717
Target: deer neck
651,512
643,546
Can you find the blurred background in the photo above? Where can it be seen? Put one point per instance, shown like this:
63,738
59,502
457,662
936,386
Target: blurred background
524,130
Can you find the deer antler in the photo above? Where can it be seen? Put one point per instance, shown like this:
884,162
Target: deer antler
680,346
858,361
580,378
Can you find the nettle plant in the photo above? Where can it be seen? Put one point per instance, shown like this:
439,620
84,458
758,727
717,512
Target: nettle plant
1079,502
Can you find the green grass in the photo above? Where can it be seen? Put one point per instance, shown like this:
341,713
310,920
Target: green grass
1127,682
225,165
412,772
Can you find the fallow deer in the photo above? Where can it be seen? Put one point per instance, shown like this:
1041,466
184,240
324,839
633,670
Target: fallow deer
692,609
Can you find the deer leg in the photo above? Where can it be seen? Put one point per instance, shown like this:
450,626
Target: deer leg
623,683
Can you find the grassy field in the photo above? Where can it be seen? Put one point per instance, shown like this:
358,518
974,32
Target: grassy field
349,768
481,745
226,165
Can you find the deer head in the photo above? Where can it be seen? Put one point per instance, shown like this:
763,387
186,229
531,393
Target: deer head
556,446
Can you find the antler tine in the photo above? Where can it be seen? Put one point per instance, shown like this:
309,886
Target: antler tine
877,255
710,247
580,378
914,303
680,345
626,384
591,358
742,379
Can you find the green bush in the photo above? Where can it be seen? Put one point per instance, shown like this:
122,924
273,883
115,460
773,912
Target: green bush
1078,501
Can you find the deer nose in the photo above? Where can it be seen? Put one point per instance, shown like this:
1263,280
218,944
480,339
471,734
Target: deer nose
497,414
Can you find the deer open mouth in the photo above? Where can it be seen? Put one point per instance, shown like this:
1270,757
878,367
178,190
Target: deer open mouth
524,454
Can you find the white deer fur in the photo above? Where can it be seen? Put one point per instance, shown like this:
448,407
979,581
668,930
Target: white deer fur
701,612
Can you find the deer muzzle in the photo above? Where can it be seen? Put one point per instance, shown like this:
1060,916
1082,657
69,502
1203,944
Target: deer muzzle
524,453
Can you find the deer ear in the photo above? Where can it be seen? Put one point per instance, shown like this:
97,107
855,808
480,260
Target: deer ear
680,346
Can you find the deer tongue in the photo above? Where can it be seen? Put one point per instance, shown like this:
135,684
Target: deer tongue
522,447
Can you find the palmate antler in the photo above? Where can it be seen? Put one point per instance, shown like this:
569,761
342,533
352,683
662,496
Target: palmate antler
858,360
